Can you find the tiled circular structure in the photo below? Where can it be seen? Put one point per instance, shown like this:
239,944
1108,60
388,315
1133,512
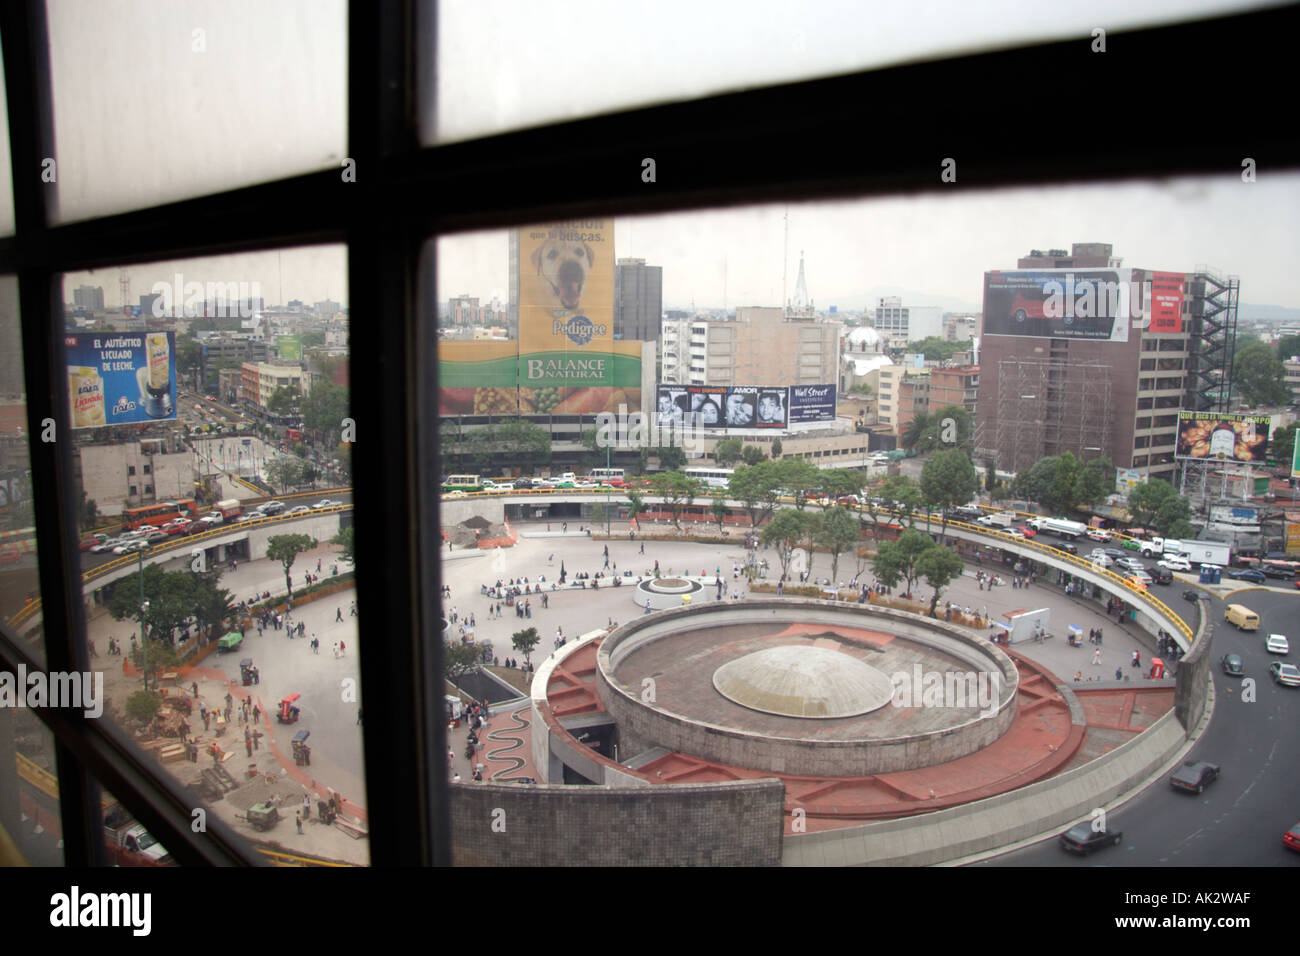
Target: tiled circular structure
801,681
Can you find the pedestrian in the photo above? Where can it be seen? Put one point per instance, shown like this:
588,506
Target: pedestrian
256,713
338,615
343,648
1137,659
257,675
195,687
1119,673
306,807
298,820
1096,656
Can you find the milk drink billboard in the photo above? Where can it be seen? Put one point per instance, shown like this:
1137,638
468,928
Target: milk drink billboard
121,378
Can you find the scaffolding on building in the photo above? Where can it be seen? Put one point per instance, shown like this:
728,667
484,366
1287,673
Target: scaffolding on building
1049,406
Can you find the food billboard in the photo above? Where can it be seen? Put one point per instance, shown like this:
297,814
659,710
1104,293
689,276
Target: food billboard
121,378
1214,436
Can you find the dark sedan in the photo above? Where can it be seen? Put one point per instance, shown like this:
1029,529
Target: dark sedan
1233,665
1082,838
1194,776
1246,574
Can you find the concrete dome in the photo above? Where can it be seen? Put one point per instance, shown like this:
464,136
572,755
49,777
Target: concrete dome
802,681
864,339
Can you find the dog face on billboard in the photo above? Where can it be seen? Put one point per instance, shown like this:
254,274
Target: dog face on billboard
564,265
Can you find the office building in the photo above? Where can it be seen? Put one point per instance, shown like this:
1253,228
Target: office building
638,300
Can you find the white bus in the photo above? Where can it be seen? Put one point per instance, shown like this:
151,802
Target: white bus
711,477
606,474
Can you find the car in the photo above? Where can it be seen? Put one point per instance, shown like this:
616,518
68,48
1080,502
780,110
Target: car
1277,644
968,511
1291,839
1163,575
130,547
1285,673
272,507
1246,574
1142,576
1282,572
1194,776
1013,533
175,529
1131,544
1066,547
88,543
326,503
1083,839
156,536
1102,560
1131,564
1110,552
303,509
1174,563
1025,530
544,484
1097,534
10,554
450,494
523,483
1233,665
1191,594
211,398
1136,583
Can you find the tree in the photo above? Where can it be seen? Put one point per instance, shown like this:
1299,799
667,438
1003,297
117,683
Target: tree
346,539
752,454
837,483
948,481
899,558
1146,499
524,641
88,513
143,706
939,566
936,349
284,473
900,494
1258,375
1288,347
592,456
887,565
523,442
728,451
677,490
720,511
839,531
911,435
285,548
324,409
1282,445
1095,482
1173,520
784,533
798,477
460,659
759,487
776,449
990,473
671,458
155,658
635,504
812,530
213,604
284,401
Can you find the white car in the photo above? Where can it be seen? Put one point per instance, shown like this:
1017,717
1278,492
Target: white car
450,494
1277,644
326,503
1096,534
1013,533
1101,560
129,547
1174,563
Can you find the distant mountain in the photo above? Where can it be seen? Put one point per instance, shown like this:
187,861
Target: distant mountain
1268,313
871,298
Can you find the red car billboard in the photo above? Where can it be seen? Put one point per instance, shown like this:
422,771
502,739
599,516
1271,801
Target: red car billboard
1060,303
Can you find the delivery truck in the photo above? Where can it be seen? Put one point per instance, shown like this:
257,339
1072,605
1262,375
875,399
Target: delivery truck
229,508
1207,552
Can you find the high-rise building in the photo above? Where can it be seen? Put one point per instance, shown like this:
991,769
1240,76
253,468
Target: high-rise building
1080,355
89,297
907,323
638,300
759,347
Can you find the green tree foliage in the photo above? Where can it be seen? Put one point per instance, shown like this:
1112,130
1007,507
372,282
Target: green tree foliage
1282,444
672,458
719,509
285,473
460,659
899,493
950,427
948,480
936,349
677,490
88,512
324,409
759,487
798,477
776,449
784,532
346,539
285,400
1095,482
524,641
1288,347
142,706
836,483
728,451
635,503
152,658
1146,500
939,566
285,548
752,454
839,531
1258,375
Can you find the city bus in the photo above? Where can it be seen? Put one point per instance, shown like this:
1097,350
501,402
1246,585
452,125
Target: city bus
603,475
158,514
462,483
711,477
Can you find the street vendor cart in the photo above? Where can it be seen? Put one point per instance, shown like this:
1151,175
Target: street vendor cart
301,751
230,642
246,671
289,712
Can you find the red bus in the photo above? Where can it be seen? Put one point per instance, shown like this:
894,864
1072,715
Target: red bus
158,514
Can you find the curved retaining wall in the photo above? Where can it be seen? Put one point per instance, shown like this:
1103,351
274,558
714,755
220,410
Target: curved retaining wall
731,824
836,758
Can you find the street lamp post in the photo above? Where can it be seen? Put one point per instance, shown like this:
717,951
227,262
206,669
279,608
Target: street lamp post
607,502
144,607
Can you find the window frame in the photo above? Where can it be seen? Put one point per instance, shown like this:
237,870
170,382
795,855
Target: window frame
731,149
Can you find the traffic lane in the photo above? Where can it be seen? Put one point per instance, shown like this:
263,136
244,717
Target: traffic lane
1240,819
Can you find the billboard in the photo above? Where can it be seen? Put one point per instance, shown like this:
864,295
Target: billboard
1211,436
290,347
811,403
118,379
568,360
1295,456
1167,301
1060,303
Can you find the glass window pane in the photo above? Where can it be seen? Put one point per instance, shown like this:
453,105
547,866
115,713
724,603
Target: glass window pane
29,788
6,181
740,318
225,381
19,577
160,102
513,64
